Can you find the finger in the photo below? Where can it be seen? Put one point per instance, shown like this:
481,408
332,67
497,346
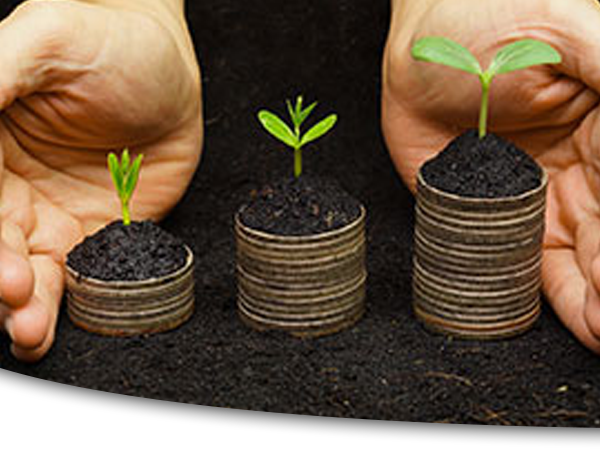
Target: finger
592,303
16,210
29,325
14,237
32,326
584,312
16,274
567,290
35,354
16,278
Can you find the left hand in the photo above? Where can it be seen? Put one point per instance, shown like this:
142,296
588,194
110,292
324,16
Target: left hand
81,79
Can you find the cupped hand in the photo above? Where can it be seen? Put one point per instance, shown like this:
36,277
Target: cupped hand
80,79
552,112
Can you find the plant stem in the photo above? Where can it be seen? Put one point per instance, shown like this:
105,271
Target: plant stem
126,214
485,101
297,163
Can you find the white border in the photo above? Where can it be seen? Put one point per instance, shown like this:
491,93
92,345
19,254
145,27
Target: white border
44,417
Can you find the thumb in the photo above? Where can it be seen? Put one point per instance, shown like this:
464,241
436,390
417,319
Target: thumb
38,42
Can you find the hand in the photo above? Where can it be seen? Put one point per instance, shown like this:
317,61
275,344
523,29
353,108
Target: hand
80,79
552,112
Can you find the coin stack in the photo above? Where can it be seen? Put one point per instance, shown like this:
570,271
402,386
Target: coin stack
477,262
127,308
308,286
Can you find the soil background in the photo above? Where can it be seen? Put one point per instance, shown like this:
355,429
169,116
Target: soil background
255,54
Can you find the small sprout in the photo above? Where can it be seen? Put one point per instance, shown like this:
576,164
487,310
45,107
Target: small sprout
515,56
294,138
125,177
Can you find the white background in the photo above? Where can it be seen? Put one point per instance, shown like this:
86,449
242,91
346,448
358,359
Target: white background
40,417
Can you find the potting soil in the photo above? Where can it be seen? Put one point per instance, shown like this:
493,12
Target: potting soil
491,167
117,252
300,206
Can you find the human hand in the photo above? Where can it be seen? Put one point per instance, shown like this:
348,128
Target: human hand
80,79
552,112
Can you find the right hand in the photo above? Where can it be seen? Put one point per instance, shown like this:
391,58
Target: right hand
552,112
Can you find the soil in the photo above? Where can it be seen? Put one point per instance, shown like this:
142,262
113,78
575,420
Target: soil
136,252
491,167
387,366
300,206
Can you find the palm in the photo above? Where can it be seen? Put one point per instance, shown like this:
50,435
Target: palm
552,113
127,83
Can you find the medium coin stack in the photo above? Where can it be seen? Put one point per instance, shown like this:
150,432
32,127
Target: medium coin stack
477,262
127,308
306,285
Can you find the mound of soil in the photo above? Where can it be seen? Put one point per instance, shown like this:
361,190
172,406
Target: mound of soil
302,206
117,252
491,167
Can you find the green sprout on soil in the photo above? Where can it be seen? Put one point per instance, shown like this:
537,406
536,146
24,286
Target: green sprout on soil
125,177
515,56
295,139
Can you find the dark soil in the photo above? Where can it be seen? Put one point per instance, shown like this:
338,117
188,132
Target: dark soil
387,366
302,206
136,252
491,167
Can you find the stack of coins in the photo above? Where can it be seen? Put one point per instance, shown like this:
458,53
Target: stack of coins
477,262
127,308
309,285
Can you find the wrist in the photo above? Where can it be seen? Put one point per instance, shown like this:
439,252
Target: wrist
406,18
169,12
410,12
173,7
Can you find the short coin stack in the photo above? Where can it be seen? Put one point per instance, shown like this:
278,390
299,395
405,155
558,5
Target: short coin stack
127,308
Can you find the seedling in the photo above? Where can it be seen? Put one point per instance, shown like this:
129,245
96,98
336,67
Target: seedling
515,56
125,177
294,139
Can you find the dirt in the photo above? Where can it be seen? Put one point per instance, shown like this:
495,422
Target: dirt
491,167
136,252
387,366
300,206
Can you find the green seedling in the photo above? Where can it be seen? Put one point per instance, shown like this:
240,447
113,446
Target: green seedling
294,138
125,177
515,56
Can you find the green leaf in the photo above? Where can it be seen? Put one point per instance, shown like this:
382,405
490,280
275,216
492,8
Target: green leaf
319,129
299,101
523,54
132,177
292,112
125,160
277,128
306,112
437,49
115,172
